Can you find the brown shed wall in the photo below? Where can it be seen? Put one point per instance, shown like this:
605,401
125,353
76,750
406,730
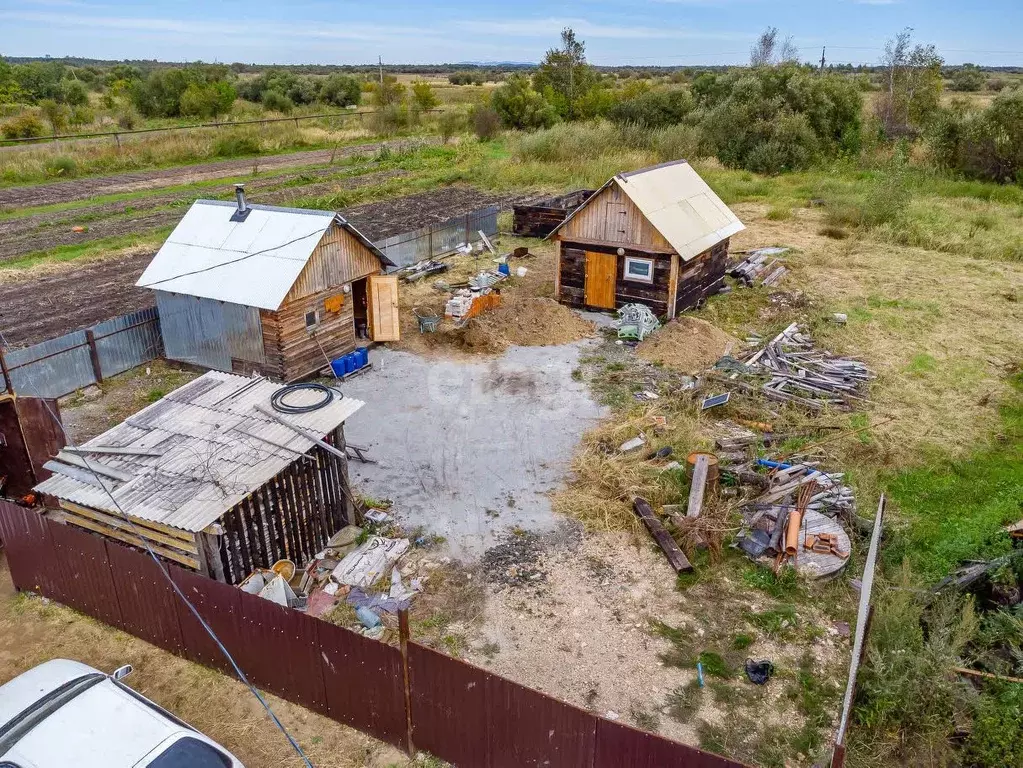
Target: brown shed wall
611,217
701,277
571,284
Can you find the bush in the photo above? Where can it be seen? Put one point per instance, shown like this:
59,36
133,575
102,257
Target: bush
74,93
423,95
967,78
982,145
207,99
275,101
465,78
997,84
62,167
486,122
127,120
25,126
518,105
450,123
236,143
341,91
654,109
82,116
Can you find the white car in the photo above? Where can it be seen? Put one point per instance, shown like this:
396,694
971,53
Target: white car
63,713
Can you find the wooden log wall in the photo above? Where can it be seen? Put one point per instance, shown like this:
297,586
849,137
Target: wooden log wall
289,517
542,218
701,277
292,352
572,289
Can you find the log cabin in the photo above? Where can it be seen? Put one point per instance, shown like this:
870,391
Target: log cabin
263,289
657,236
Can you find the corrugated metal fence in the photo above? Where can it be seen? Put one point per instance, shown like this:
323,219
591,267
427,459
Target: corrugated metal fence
460,713
437,239
56,367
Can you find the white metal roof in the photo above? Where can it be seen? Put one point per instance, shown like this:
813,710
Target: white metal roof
254,262
679,204
212,451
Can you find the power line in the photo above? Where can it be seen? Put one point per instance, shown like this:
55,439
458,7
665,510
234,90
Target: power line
163,570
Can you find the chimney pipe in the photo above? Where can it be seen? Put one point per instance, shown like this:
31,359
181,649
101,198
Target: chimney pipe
243,209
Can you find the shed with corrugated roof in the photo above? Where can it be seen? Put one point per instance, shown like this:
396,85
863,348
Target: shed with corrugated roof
276,291
213,478
657,236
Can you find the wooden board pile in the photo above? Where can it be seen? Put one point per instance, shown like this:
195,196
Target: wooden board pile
759,266
801,373
831,496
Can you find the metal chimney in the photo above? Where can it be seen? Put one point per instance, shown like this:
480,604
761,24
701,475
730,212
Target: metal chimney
243,209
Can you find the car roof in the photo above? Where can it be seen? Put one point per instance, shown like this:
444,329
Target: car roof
27,688
103,727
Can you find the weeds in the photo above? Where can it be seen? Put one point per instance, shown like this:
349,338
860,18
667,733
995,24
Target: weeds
684,701
775,622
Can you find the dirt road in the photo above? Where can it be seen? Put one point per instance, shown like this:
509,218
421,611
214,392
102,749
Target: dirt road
82,189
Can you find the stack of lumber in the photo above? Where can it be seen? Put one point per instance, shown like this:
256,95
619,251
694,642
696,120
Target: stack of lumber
830,496
759,266
801,373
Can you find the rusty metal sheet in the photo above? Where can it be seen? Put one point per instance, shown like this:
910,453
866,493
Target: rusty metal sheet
364,683
619,745
449,716
85,569
148,603
279,651
30,552
527,728
218,604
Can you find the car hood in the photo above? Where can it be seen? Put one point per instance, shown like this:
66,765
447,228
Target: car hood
27,688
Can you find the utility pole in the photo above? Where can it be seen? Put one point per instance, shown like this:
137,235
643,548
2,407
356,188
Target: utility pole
823,48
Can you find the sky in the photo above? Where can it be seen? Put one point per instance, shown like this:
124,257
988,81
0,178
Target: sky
616,32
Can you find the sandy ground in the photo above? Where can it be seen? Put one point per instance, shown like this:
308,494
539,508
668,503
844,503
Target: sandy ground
468,448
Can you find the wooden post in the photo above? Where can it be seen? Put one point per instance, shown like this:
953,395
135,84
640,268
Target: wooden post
667,544
403,636
97,370
699,486
8,385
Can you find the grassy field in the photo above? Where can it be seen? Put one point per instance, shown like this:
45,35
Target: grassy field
929,270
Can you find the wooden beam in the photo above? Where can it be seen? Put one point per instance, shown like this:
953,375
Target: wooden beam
170,554
184,537
121,524
699,485
988,675
667,544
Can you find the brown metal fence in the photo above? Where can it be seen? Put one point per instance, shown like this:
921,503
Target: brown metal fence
460,713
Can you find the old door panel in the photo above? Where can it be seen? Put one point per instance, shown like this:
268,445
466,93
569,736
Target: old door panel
601,271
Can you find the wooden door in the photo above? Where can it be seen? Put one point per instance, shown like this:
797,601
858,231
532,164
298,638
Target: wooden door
601,271
382,308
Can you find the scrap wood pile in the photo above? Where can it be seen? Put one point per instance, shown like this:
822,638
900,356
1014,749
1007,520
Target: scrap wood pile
800,373
759,266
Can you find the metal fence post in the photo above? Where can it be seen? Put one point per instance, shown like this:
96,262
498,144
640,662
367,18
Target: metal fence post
97,370
403,635
6,373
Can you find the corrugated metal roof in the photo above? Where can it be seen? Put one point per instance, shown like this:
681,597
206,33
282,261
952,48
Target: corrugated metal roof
215,451
679,204
254,262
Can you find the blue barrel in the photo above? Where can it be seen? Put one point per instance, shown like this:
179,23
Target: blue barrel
338,366
363,353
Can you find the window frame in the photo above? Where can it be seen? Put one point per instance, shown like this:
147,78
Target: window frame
316,323
648,279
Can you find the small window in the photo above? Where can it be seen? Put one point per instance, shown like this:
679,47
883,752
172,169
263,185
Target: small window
191,753
640,270
312,319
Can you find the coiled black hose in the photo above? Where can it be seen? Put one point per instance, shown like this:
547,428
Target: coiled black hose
279,404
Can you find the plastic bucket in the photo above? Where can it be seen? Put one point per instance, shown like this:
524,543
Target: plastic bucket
504,269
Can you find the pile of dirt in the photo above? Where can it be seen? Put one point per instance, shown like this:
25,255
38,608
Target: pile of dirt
687,344
526,322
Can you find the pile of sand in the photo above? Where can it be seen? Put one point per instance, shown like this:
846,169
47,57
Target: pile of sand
529,322
687,344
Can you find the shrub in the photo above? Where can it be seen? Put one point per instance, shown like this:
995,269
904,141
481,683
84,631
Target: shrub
423,95
25,126
82,116
968,77
57,115
275,101
518,105
74,93
341,91
654,108
983,145
62,166
127,120
997,84
207,99
235,143
450,123
486,122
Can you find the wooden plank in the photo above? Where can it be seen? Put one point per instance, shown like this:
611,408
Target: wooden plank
699,486
95,466
121,524
673,286
170,554
183,536
601,270
664,540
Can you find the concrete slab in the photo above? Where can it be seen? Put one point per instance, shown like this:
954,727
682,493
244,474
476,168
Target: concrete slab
470,448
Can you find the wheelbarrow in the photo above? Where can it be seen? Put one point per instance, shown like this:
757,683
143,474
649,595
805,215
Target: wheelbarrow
427,323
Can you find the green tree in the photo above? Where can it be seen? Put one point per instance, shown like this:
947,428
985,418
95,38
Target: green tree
564,76
983,145
388,92
10,91
81,116
40,80
56,114
968,77
207,99
74,93
341,91
275,101
655,108
519,105
913,85
423,95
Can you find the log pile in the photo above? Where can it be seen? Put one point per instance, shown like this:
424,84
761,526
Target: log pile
800,373
759,266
